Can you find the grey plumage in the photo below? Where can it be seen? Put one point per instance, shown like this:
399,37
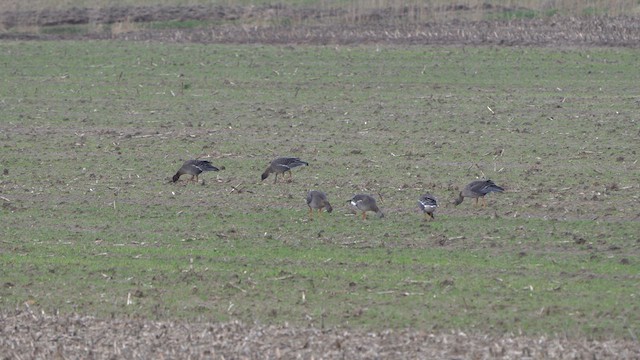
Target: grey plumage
366,203
476,190
194,168
317,200
282,165
428,204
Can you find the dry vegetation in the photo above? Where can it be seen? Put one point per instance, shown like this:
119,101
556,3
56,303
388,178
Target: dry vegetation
419,10
26,334
556,23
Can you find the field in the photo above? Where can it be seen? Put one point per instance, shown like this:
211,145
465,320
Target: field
96,238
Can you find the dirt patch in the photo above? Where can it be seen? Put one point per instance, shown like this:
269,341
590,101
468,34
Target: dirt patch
33,335
546,32
52,17
286,25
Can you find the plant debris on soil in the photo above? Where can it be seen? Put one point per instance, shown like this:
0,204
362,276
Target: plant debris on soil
279,24
25,334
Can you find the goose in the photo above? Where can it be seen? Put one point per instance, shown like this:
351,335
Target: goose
318,200
194,168
366,203
282,165
478,189
428,204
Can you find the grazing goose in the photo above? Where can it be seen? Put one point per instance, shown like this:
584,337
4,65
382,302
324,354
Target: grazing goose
428,204
365,203
317,200
194,168
282,165
478,189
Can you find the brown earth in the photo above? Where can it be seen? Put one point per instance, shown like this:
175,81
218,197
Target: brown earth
25,334
284,25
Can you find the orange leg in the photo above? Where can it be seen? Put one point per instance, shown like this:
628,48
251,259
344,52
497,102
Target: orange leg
476,202
275,180
319,212
484,202
310,213
364,215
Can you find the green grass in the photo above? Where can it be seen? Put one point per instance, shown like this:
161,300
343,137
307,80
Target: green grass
92,225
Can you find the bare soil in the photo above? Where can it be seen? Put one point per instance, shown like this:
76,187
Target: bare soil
278,24
25,334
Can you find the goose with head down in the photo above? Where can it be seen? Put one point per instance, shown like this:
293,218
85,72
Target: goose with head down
477,190
428,204
282,165
317,200
366,203
194,168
